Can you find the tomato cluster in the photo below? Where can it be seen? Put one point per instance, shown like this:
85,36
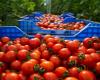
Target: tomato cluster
49,21
49,58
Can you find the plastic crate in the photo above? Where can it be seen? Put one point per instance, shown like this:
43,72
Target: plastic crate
67,14
11,31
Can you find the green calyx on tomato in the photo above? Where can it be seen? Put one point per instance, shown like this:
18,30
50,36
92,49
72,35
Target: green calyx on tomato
72,63
1,63
81,56
65,74
41,70
36,67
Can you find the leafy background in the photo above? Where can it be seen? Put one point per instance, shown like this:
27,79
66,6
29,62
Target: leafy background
12,10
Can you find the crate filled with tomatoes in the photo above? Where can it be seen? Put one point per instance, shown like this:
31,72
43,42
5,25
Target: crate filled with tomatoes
49,58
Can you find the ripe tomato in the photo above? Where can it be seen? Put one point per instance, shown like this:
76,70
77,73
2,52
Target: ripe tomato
24,40
5,39
3,66
35,76
87,42
34,42
55,60
70,78
38,36
47,65
50,76
64,53
90,50
50,40
47,36
12,47
2,56
96,46
21,77
10,56
82,49
73,45
28,67
22,54
16,65
95,57
61,71
50,44
45,54
10,76
86,75
97,67
43,47
74,72
57,47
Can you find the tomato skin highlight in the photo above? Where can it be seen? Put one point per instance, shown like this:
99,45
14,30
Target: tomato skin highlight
70,78
97,67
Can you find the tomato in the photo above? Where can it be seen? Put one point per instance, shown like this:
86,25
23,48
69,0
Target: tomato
21,77
26,47
55,60
38,36
50,44
24,40
22,54
96,46
64,53
10,76
47,36
82,49
50,76
61,71
47,65
1,44
43,47
72,61
57,47
73,45
90,50
50,40
16,65
74,72
18,46
28,67
34,42
97,67
12,47
86,75
10,56
35,55
87,42
5,39
35,76
95,57
2,56
45,54
70,78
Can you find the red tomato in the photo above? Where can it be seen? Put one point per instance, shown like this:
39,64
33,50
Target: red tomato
45,54
55,60
47,36
16,65
28,67
43,47
21,77
1,44
24,40
87,42
61,71
10,56
38,36
95,57
2,56
34,42
50,40
72,45
97,67
22,54
70,78
86,75
74,72
50,44
96,46
64,53
57,47
12,47
35,77
90,50
50,76
47,65
5,39
72,61
10,76
82,49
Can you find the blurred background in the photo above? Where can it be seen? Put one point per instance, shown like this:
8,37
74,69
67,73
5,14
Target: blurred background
12,10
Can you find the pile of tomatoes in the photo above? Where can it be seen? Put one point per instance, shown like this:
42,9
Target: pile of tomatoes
51,22
49,58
